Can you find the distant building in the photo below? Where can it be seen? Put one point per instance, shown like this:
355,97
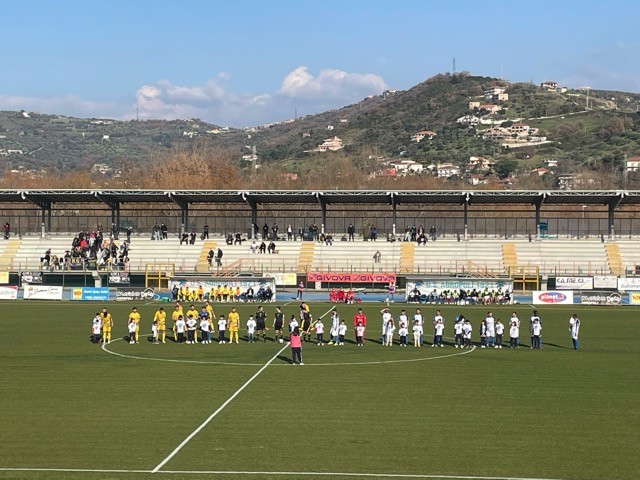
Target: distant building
549,85
419,136
490,107
480,163
330,144
633,164
407,166
190,134
446,170
102,168
503,97
470,120
474,105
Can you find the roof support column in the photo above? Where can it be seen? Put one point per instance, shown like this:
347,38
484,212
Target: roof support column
613,204
254,214
394,213
323,206
46,218
538,204
184,217
466,216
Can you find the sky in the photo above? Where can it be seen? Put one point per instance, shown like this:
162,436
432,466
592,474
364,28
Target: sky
249,62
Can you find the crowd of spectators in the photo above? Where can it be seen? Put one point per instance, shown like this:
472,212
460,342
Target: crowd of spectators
461,297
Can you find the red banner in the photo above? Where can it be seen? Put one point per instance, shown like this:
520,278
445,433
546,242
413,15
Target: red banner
351,277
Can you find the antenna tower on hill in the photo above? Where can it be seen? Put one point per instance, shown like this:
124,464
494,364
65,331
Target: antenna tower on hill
453,66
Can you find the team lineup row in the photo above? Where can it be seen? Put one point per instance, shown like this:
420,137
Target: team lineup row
198,326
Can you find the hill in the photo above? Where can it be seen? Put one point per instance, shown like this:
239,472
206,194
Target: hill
516,125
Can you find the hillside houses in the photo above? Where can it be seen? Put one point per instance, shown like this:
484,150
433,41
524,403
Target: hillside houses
469,120
330,145
422,134
406,167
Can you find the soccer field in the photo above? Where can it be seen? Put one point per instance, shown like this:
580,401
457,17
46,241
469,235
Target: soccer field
75,410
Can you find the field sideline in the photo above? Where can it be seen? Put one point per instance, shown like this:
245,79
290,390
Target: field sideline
75,410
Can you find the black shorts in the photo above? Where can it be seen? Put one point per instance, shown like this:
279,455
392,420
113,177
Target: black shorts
260,326
277,326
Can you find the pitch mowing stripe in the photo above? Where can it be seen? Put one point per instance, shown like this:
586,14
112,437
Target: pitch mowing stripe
276,473
220,408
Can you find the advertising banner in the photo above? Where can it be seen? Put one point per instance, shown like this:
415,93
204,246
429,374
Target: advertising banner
605,281
287,279
426,286
351,277
134,293
552,297
4,278
90,293
40,292
634,298
119,278
631,284
598,298
31,278
8,293
574,283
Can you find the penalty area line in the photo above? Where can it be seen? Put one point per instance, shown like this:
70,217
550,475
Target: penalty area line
214,414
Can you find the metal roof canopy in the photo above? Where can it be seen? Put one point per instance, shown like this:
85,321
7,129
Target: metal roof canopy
113,198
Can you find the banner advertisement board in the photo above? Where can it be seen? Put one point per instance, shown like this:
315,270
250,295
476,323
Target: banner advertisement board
31,278
8,293
257,285
634,298
351,277
40,292
574,283
90,293
426,286
4,278
631,284
552,297
605,281
287,279
598,298
119,278
134,293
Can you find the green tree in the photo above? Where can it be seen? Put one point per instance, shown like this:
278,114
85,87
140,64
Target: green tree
503,168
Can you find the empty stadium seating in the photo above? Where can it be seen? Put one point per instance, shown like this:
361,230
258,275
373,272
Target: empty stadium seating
480,257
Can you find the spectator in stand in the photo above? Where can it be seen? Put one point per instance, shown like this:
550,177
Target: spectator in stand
328,239
377,257
432,233
254,247
351,232
156,232
219,257
184,238
263,247
422,239
289,232
163,230
274,232
205,232
129,232
272,247
373,233
238,240
192,239
265,231
301,233
210,256
255,229
7,230
114,231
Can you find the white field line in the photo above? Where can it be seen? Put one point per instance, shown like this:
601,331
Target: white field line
220,408
274,473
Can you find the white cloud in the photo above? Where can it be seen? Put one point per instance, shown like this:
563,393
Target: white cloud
215,103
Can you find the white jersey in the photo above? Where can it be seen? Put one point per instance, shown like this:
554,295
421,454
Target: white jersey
96,326
319,327
438,318
514,331
439,328
458,327
390,328
386,316
574,327
360,331
499,328
403,320
466,330
403,331
417,330
293,324
222,324
335,324
251,325
490,323
418,318
515,320
536,329
205,326
192,324
180,326
132,327
342,329
533,319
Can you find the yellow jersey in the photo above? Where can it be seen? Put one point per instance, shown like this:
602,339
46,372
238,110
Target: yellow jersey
193,313
233,321
107,321
209,310
160,317
135,316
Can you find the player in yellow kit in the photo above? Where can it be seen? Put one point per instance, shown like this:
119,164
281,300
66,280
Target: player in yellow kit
177,313
209,309
160,318
134,316
233,324
107,325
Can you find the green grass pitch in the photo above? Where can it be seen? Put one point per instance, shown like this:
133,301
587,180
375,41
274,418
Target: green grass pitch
67,405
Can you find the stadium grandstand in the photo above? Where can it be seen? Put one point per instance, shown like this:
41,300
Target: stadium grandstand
476,233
